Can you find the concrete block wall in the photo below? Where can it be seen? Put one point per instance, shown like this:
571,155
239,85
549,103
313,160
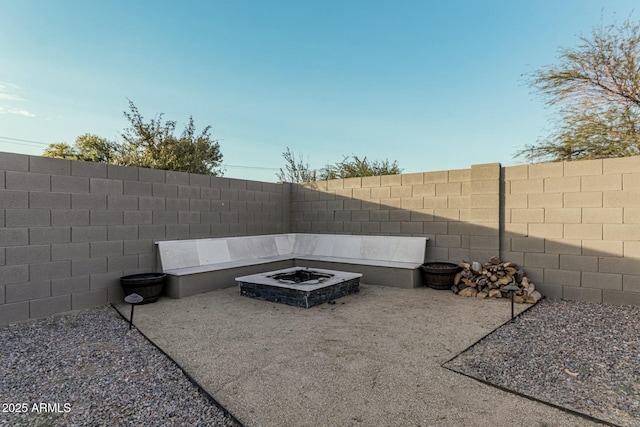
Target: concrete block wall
437,205
575,226
69,230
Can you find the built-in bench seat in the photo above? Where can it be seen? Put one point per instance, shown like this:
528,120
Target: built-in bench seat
202,265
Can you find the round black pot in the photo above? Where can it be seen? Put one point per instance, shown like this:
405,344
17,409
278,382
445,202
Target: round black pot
148,285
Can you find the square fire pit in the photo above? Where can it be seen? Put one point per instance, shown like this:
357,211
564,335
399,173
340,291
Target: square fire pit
299,286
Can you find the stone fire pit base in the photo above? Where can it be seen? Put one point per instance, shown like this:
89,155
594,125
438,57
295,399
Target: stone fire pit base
299,286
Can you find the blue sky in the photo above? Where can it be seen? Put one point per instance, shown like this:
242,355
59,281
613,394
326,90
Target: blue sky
434,85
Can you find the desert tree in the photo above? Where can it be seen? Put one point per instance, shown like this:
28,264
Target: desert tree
153,144
150,144
87,147
60,150
595,91
354,167
296,169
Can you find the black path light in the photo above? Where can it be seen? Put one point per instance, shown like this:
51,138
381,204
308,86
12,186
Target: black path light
512,287
132,299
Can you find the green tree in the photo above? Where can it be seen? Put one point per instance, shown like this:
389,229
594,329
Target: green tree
295,170
93,148
595,88
60,150
87,147
152,144
358,167
149,144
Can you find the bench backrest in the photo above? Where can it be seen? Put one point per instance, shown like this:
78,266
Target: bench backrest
381,248
198,252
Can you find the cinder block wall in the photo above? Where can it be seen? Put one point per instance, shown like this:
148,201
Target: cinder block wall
69,230
432,204
576,227
573,226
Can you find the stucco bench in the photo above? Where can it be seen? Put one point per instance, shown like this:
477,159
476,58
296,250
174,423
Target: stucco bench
202,265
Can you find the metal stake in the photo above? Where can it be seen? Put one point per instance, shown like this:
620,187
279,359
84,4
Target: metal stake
133,305
512,287
133,299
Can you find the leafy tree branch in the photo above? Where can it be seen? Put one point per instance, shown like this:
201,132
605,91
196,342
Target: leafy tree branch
595,89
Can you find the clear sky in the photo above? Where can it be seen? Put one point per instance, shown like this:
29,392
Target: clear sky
434,85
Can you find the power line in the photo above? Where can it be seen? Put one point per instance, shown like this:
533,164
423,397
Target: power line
10,141
17,141
248,167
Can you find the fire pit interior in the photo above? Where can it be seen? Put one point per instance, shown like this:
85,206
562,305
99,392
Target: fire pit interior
307,276
299,286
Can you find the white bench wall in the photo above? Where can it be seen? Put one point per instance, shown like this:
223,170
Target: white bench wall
200,265
176,254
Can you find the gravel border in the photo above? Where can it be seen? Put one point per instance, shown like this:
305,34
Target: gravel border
88,368
576,355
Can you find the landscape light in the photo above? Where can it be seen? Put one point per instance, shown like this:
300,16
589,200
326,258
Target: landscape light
512,288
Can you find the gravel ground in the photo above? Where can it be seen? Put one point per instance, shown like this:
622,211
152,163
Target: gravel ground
88,369
578,355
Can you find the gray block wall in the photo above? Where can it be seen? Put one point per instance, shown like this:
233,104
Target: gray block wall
573,226
69,230
458,209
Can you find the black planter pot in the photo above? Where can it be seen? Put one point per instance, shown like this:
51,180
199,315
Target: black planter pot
440,275
148,285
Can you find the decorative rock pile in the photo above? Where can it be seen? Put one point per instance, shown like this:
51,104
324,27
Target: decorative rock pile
489,280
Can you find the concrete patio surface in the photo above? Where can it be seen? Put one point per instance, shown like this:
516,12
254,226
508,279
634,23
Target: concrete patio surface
371,359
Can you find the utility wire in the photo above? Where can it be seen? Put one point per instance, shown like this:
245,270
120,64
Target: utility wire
248,167
22,141
17,141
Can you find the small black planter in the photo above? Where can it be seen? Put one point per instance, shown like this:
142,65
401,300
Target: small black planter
440,275
147,285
